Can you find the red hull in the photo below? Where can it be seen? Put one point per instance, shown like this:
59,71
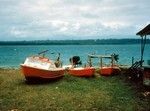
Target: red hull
30,72
82,72
109,71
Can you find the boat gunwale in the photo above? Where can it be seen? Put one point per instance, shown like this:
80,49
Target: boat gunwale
51,69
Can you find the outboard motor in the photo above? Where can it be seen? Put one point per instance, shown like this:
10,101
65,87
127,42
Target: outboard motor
75,60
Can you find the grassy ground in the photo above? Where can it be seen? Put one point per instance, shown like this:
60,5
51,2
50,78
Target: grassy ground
69,94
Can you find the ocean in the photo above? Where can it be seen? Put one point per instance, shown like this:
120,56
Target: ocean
13,55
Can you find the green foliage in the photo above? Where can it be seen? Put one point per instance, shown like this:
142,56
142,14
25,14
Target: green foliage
75,42
69,93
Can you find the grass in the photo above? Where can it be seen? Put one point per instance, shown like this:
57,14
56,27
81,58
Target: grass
69,94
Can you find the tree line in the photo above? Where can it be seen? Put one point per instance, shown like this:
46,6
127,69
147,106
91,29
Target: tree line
75,42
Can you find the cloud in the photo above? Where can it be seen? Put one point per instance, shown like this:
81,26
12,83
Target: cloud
16,32
80,18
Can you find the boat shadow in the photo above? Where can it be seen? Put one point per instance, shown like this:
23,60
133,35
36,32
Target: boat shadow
41,81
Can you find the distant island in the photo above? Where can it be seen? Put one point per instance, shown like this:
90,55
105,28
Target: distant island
76,42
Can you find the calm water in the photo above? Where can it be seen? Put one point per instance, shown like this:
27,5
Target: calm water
13,56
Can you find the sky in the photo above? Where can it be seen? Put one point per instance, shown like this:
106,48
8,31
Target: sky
72,19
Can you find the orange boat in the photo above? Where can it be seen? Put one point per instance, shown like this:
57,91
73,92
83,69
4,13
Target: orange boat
109,70
104,69
41,67
82,72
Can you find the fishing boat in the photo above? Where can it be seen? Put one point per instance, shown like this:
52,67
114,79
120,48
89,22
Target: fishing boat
110,69
77,70
82,71
41,67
